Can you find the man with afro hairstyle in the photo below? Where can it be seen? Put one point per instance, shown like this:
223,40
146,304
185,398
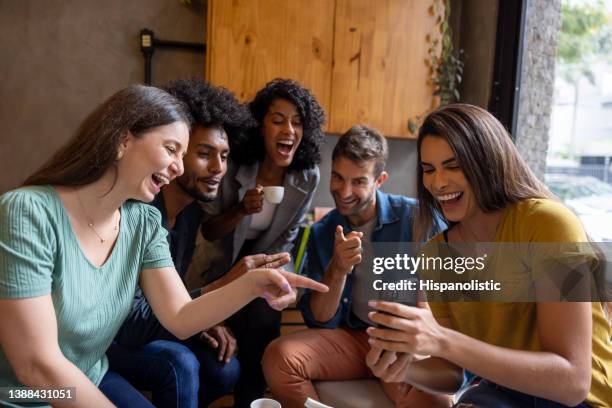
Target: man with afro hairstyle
196,371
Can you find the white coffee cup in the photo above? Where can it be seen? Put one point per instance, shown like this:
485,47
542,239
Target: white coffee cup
265,402
274,194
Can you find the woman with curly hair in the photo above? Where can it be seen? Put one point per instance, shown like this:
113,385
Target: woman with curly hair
283,150
77,239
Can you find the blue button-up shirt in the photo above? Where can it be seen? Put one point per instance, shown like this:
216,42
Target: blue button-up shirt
395,215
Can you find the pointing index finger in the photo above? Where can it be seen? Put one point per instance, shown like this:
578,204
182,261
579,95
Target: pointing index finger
298,281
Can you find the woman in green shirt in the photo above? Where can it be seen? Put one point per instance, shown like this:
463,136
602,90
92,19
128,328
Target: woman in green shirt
75,241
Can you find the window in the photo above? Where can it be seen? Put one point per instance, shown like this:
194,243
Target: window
578,165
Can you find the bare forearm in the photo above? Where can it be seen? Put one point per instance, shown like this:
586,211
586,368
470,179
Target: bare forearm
325,305
221,225
435,375
219,283
211,308
61,373
543,374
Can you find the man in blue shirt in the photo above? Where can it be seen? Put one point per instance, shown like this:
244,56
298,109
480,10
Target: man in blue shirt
198,370
335,346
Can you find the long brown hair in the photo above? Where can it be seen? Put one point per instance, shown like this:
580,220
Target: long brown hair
93,149
497,173
487,156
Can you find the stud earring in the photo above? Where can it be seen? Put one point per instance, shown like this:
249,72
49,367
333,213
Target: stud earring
119,154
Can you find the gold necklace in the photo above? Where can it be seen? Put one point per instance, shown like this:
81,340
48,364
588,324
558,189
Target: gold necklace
90,223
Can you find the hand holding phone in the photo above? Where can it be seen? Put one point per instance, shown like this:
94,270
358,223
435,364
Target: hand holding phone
406,329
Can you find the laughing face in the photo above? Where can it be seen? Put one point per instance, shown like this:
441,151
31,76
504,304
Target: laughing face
205,163
282,132
353,187
445,180
152,160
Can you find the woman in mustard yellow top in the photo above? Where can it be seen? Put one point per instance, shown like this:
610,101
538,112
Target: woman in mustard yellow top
539,354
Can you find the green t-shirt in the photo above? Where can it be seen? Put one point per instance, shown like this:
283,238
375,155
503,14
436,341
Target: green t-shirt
40,255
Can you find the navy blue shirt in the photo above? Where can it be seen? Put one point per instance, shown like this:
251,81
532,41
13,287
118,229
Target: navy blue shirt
395,215
141,326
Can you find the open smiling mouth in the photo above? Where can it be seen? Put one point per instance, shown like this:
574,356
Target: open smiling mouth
210,182
284,147
347,202
159,180
451,198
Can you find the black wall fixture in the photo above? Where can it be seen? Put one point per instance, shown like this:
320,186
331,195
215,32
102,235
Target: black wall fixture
508,61
148,44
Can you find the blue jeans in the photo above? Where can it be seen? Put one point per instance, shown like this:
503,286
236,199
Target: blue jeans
489,394
179,374
255,326
121,393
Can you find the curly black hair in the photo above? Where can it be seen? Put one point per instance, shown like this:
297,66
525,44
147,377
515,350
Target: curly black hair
251,148
211,106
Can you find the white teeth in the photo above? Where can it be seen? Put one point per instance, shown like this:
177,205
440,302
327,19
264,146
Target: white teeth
286,142
162,179
447,197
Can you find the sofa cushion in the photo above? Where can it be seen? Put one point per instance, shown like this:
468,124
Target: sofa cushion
366,393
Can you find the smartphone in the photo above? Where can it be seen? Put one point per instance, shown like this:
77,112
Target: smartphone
404,297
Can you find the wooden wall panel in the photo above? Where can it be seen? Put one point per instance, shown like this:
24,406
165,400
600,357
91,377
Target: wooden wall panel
253,41
380,77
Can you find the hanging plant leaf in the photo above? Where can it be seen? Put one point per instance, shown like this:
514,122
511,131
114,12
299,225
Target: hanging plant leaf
445,63
412,126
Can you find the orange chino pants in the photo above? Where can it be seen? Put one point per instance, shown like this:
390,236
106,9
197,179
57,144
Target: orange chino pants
293,361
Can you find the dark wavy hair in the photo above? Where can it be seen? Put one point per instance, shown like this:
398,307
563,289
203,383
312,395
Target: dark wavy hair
93,149
213,106
251,148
